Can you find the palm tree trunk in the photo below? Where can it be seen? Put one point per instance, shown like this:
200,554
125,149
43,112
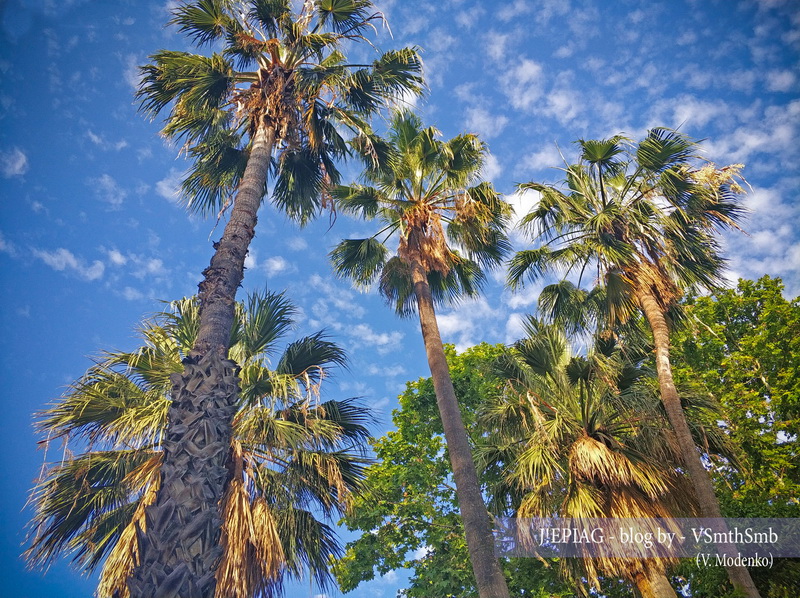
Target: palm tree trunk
179,544
653,584
489,576
701,481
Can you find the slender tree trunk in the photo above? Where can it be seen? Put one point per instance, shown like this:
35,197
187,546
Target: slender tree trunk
179,545
701,480
489,576
653,584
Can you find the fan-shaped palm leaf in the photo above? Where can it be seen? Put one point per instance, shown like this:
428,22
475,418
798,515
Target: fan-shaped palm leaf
291,452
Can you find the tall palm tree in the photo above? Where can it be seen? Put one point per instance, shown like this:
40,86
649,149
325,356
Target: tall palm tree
268,99
581,437
643,218
427,192
296,459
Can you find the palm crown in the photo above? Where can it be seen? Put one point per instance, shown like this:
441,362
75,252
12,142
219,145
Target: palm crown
585,437
294,457
637,217
278,70
427,192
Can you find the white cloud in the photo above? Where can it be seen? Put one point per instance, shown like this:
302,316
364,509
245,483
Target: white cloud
421,552
103,143
523,84
13,163
544,159
514,327
7,246
386,371
64,260
108,190
469,323
170,186
275,265
297,244
384,342
525,297
132,294
491,168
484,123
781,80
522,202
131,72
116,258
563,104
333,296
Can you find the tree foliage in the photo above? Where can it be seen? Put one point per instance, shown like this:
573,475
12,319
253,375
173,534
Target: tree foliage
409,516
296,460
742,346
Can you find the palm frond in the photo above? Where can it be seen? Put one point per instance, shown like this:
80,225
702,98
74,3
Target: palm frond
360,260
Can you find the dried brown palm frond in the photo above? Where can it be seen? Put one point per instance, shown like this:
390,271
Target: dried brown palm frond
125,555
253,556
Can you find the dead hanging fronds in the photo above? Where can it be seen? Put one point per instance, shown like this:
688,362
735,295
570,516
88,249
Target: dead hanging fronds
253,557
424,241
125,555
711,177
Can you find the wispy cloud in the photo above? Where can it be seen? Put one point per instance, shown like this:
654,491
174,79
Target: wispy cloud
297,244
108,190
523,83
484,123
384,342
7,246
335,297
63,260
103,143
13,163
170,186
277,265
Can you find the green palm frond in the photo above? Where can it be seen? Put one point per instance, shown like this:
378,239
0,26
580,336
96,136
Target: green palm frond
638,217
79,502
428,192
274,63
348,17
360,260
271,15
267,317
204,22
300,455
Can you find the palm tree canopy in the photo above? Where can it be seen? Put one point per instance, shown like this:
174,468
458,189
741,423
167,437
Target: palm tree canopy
296,457
585,437
635,216
271,66
425,193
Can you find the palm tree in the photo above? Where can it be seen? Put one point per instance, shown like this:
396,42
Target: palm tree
643,218
296,460
268,101
421,192
581,437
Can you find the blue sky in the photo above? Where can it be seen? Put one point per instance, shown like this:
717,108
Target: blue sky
92,237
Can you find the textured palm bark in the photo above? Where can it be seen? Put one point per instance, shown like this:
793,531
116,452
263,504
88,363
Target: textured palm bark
652,584
180,543
701,481
489,576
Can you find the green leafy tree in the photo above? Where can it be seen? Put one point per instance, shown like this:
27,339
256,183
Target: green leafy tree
269,99
742,346
295,460
585,437
408,515
643,219
427,193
